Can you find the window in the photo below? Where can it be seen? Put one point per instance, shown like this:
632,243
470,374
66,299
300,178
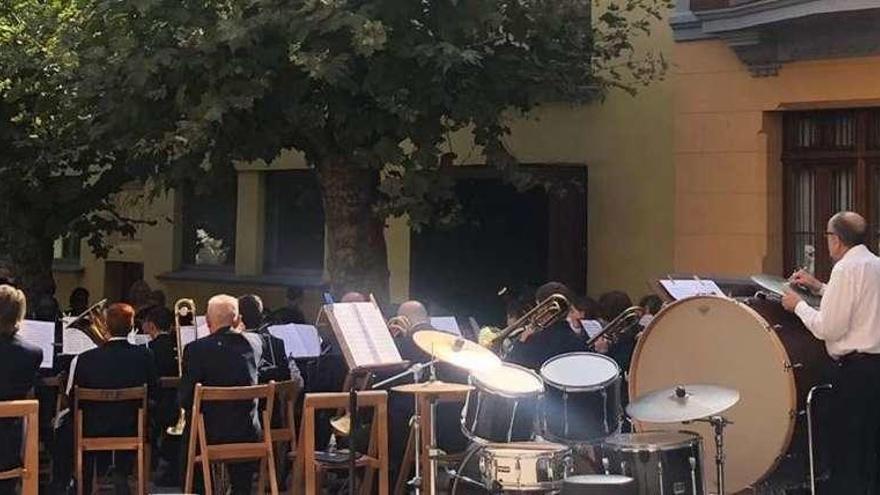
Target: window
294,223
67,250
209,225
831,162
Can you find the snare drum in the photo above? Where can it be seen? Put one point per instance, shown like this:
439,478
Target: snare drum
503,405
582,397
524,467
661,462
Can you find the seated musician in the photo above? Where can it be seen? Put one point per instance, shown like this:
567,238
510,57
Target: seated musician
582,308
275,365
19,364
157,324
611,305
535,346
115,364
227,357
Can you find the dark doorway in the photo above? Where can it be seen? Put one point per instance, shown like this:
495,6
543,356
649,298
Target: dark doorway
119,277
508,239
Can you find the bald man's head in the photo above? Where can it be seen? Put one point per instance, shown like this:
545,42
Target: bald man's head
850,227
353,297
222,312
414,311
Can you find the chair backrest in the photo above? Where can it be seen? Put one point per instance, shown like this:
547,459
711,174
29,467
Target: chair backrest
286,394
107,395
236,394
29,472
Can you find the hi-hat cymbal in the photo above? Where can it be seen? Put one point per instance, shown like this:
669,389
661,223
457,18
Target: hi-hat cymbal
432,387
455,350
682,403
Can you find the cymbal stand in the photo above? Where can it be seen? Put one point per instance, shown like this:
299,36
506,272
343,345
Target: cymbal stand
718,423
415,422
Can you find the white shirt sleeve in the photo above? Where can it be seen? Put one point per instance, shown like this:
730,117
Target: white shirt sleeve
70,375
832,320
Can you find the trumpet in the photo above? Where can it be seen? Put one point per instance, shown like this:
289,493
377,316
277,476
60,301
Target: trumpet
619,327
544,314
184,315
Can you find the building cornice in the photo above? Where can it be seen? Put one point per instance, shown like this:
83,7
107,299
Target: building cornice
766,34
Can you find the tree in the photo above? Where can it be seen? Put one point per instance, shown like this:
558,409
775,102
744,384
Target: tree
369,90
53,180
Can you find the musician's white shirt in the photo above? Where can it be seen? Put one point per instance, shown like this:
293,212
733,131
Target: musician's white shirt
848,319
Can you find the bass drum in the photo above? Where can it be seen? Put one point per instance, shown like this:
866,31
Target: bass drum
759,349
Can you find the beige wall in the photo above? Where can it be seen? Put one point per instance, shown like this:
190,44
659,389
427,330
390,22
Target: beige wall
728,177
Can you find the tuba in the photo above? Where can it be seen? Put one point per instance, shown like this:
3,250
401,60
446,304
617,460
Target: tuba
544,314
184,315
619,327
92,323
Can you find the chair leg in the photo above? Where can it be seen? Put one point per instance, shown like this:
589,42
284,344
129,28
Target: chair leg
273,473
206,474
79,471
142,475
261,478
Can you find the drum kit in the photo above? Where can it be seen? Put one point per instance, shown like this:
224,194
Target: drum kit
528,430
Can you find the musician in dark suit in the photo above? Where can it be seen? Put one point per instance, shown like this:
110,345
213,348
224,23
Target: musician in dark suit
19,364
115,364
227,357
275,364
157,324
534,346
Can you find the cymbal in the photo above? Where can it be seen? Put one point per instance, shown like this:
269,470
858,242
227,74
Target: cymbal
432,387
455,350
682,403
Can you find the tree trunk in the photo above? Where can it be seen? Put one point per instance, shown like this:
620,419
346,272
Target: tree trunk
357,258
31,259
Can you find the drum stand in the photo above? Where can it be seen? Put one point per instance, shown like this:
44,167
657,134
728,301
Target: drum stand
718,423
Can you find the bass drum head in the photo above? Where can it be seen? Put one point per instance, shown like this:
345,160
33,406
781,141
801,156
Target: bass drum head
720,341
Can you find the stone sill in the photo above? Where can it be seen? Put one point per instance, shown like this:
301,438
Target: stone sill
228,276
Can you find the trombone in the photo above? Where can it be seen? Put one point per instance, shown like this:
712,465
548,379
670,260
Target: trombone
546,313
618,328
184,315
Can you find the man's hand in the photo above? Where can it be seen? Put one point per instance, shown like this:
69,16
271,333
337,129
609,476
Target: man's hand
602,345
790,300
806,279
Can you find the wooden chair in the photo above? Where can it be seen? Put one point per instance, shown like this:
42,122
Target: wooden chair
139,444
286,394
29,472
251,451
376,458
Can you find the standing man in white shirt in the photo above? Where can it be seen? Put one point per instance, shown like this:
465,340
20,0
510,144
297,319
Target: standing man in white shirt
848,321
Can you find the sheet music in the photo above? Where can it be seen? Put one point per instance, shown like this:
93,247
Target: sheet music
682,288
75,342
202,324
190,333
300,341
446,324
365,334
592,327
40,334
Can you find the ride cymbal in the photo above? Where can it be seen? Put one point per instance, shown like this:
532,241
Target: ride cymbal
682,403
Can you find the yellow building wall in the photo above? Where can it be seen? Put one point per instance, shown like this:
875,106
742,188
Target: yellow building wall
727,146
